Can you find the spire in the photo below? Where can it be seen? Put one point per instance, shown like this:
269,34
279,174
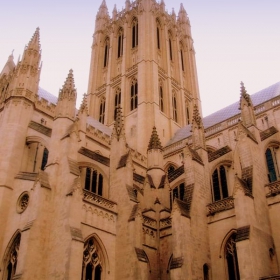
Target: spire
182,16
114,12
84,107
118,125
154,140
196,117
246,106
68,90
34,43
127,5
32,52
173,14
162,5
10,65
244,94
66,105
103,10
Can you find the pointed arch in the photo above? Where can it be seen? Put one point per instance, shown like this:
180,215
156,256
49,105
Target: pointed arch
102,110
161,95
272,156
182,55
158,31
133,94
174,106
120,41
106,51
95,263
117,101
170,45
11,256
134,34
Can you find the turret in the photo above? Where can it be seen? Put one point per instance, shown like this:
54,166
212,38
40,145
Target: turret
246,106
67,99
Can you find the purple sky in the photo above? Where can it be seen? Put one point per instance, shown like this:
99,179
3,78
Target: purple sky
234,41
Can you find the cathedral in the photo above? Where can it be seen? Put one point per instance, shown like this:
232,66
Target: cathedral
133,183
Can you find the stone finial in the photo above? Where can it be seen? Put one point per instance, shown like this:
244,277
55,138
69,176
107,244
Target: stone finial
9,66
127,5
68,90
196,117
84,107
114,13
154,140
173,14
244,94
118,125
182,16
103,10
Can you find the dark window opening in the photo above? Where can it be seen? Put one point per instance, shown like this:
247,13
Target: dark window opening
219,183
45,158
93,181
134,33
133,95
270,162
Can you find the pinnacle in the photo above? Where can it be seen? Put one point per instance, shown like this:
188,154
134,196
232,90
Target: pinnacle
244,94
83,107
196,116
34,43
118,125
68,90
154,140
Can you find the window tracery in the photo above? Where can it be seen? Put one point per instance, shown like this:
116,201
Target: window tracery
271,163
231,258
92,263
120,42
106,52
12,259
117,101
134,32
133,94
93,181
102,110
219,183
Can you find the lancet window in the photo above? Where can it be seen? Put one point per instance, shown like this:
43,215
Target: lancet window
120,42
45,158
231,258
92,262
134,32
271,163
174,107
12,259
102,110
161,100
117,101
170,45
182,56
106,52
219,183
93,181
177,192
133,94
158,33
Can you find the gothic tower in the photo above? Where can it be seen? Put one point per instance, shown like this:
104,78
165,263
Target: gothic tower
152,75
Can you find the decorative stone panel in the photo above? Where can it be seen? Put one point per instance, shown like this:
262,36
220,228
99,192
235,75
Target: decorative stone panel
95,156
216,154
268,132
274,188
221,205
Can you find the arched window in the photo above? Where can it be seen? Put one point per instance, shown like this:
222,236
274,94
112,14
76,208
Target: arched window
188,121
120,42
177,192
93,181
106,52
170,45
102,110
205,272
219,183
117,102
45,158
170,169
133,94
12,258
231,258
182,56
161,103
174,107
134,26
158,33
271,162
92,261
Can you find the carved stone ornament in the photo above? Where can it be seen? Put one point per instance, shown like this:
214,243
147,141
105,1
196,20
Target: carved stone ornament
22,202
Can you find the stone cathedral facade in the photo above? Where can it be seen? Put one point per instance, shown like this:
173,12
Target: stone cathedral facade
135,184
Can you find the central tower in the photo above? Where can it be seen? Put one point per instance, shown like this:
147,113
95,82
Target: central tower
144,61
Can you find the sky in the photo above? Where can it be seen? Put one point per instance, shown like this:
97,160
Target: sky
234,41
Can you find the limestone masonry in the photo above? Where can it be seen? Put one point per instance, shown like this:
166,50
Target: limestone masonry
135,184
